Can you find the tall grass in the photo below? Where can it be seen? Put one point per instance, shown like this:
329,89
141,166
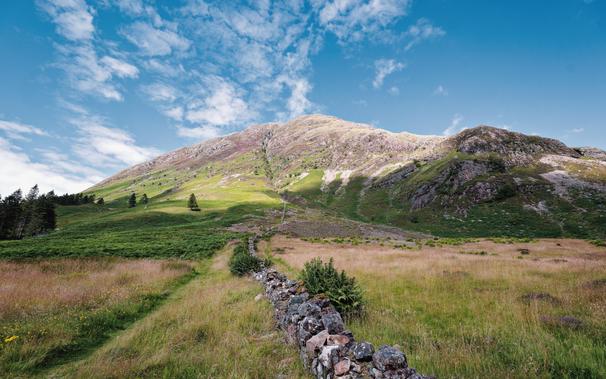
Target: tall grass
54,311
459,315
210,328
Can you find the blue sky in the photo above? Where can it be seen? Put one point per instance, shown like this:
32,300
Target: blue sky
92,87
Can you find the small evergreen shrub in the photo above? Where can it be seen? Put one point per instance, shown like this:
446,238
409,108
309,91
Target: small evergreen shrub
241,262
342,290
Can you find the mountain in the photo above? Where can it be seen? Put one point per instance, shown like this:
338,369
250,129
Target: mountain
483,181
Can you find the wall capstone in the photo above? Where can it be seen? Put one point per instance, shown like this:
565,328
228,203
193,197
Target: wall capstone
327,349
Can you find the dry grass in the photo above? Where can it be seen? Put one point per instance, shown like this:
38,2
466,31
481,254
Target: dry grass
59,308
463,315
211,328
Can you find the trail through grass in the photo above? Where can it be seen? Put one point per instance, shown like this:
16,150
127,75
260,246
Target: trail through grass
210,328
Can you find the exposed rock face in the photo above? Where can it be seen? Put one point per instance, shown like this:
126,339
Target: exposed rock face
514,148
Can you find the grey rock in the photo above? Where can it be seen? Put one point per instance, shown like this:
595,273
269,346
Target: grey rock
389,358
333,323
363,351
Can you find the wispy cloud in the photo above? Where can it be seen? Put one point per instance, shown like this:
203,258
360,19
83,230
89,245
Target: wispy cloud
200,133
17,130
421,31
221,106
353,20
19,170
154,41
73,18
578,130
440,91
454,125
383,68
103,146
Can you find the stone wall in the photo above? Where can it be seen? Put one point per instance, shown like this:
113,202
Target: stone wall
327,348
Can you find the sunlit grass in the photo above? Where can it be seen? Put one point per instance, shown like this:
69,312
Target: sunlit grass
211,328
461,315
55,310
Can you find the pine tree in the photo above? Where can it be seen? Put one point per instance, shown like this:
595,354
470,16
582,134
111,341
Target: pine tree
12,214
100,201
144,200
192,203
132,200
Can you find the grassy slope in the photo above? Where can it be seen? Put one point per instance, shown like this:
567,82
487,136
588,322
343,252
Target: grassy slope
462,315
504,217
163,228
210,328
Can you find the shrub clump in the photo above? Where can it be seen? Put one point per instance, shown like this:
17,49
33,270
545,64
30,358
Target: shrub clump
342,290
241,262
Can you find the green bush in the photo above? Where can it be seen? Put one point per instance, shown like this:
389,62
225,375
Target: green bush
342,290
241,262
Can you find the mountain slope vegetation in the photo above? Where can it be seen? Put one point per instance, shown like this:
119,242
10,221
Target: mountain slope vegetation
481,182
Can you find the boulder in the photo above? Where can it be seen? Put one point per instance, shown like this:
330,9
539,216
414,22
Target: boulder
342,367
333,322
363,351
389,358
316,342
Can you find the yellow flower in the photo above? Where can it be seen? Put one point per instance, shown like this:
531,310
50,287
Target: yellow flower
10,339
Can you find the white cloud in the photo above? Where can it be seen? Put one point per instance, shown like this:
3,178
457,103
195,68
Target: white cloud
383,68
222,106
19,171
422,30
454,125
297,102
578,130
120,68
100,145
73,18
394,91
200,133
86,73
440,91
352,20
16,130
153,41
176,113
160,92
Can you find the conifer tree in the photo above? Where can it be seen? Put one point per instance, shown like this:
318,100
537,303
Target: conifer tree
144,200
100,201
132,200
192,203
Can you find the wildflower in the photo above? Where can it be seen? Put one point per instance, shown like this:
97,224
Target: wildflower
10,339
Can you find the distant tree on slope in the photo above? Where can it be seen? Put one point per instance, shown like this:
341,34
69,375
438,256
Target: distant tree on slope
144,200
100,201
132,200
192,203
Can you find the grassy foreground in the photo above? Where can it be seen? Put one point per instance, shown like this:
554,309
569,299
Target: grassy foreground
210,328
479,309
54,311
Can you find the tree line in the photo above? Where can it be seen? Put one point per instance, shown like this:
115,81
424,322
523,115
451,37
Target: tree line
29,215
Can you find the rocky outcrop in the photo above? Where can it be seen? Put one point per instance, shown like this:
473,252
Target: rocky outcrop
327,348
514,148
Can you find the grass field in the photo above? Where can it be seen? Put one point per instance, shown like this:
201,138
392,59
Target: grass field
53,311
210,328
477,309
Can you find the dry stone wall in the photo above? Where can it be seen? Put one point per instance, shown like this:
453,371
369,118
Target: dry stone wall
327,348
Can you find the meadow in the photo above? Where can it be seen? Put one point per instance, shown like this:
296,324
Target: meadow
53,311
212,327
476,308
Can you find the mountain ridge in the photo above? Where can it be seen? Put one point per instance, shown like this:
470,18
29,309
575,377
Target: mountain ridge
369,174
